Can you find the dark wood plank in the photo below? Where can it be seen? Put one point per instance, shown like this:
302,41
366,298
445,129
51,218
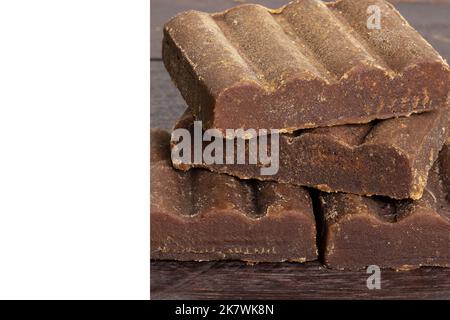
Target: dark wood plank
432,22
235,280
429,17
167,105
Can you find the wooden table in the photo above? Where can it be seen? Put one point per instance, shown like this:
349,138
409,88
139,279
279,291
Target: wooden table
235,280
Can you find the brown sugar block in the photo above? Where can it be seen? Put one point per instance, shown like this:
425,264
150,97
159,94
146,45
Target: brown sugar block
308,64
199,215
361,231
389,157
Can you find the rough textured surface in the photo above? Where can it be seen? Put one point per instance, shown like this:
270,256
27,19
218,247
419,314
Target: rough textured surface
390,157
251,67
201,216
431,20
360,231
167,105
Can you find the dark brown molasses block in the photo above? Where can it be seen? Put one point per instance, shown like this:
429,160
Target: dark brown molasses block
361,231
199,215
389,157
308,64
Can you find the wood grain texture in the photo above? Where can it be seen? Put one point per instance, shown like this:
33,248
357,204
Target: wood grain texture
234,280
167,105
429,17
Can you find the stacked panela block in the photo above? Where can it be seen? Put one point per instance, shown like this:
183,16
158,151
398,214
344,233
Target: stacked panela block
357,115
